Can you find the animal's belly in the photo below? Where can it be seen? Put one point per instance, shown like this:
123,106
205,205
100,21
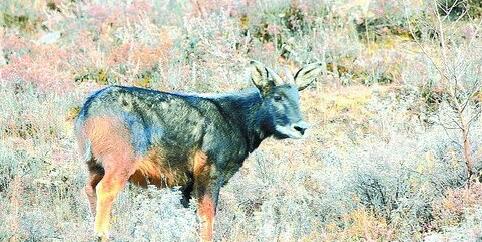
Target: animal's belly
161,170
159,177
139,178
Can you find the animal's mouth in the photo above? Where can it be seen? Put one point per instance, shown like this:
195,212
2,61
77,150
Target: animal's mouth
294,131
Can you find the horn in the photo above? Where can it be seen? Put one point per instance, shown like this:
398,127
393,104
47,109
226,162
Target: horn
276,78
289,75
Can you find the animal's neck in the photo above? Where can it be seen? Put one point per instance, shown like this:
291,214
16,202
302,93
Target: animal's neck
256,123
246,110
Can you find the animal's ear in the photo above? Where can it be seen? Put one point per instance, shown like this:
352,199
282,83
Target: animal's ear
262,77
306,75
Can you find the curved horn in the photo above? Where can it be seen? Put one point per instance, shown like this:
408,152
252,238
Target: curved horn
289,75
276,78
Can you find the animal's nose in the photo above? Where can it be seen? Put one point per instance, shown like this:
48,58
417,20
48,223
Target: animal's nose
301,126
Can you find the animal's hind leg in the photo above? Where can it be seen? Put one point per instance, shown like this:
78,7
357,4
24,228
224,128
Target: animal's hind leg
111,146
186,194
107,190
94,179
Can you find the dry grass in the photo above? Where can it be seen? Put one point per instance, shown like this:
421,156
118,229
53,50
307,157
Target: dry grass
378,163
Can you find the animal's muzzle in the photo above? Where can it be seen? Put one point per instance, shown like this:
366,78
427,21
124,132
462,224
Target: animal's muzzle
301,127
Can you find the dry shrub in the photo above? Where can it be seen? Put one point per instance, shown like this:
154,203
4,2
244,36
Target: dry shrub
456,204
360,224
46,67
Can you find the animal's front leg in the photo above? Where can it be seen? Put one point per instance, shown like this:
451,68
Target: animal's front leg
206,212
206,191
207,198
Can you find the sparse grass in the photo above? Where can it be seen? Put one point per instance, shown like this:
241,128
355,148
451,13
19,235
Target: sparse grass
379,163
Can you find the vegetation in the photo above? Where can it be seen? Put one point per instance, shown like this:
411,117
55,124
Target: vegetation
394,151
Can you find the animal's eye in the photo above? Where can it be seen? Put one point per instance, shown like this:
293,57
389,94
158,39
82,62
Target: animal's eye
278,98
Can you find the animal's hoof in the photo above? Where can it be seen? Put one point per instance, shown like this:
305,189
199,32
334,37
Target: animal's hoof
102,237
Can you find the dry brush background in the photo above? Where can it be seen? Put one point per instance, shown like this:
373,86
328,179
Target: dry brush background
393,153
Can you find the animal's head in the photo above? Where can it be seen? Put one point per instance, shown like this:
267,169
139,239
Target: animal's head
281,100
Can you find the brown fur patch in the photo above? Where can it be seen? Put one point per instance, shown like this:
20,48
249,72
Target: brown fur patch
200,163
110,142
206,213
139,179
148,170
154,169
